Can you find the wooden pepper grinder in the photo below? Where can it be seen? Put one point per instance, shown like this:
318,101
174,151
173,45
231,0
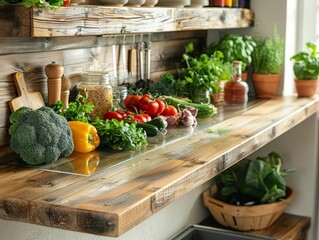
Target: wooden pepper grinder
65,91
54,73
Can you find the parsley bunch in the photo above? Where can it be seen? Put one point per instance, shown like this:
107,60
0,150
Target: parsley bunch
120,135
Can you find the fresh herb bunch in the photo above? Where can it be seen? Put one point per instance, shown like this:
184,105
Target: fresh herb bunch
120,135
200,73
168,85
306,64
234,47
268,55
253,181
79,110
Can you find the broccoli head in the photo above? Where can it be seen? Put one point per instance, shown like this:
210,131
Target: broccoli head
40,136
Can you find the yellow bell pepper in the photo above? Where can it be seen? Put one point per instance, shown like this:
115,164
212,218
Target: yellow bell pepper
85,137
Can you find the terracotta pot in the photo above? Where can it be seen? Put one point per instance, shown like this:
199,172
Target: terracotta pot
266,85
244,76
245,218
306,88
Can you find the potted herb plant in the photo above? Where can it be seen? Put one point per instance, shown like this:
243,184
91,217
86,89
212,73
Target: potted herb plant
306,70
235,48
200,74
251,195
267,62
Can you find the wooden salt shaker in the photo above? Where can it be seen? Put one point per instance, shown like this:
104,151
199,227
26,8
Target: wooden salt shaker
54,73
65,91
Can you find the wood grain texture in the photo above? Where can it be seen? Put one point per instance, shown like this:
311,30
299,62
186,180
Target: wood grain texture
115,200
101,20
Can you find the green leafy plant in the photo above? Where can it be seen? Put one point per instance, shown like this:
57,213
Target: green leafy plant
120,135
79,110
253,181
52,4
201,73
234,47
306,64
268,55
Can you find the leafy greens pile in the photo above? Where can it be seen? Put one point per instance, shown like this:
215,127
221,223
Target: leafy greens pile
253,181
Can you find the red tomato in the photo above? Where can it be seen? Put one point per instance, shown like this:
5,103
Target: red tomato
161,106
170,111
131,102
148,105
146,116
113,115
66,3
140,118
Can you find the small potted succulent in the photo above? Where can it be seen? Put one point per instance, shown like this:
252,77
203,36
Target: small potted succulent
267,63
306,70
250,195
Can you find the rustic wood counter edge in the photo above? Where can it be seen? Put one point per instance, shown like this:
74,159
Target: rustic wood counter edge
113,201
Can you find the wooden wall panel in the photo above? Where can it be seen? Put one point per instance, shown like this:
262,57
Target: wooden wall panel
77,55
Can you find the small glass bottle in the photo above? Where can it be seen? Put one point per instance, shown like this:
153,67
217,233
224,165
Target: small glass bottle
228,3
241,3
235,3
236,90
218,3
99,90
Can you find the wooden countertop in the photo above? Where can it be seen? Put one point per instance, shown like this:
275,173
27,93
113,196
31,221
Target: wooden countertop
115,199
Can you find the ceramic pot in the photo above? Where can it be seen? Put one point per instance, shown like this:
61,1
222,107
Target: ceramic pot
266,85
245,218
306,88
113,3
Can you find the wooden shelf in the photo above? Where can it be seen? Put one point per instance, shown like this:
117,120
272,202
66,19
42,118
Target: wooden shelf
85,20
114,200
287,227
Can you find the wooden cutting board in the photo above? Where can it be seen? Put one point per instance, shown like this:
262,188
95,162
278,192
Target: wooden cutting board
33,100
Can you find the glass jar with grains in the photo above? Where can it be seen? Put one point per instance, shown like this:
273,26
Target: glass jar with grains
99,91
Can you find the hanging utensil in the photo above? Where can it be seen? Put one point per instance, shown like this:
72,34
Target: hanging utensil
141,83
124,59
148,63
132,60
114,60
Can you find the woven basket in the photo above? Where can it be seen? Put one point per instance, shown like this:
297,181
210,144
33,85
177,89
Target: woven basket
245,218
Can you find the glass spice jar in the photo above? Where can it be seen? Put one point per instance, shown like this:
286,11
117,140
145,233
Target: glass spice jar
236,90
228,3
99,90
218,3
119,95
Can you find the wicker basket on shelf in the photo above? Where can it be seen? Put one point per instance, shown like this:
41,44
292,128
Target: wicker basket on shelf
245,218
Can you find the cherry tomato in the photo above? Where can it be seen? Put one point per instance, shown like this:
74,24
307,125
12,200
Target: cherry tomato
66,3
131,102
146,116
140,118
113,115
161,106
148,105
170,111
123,114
